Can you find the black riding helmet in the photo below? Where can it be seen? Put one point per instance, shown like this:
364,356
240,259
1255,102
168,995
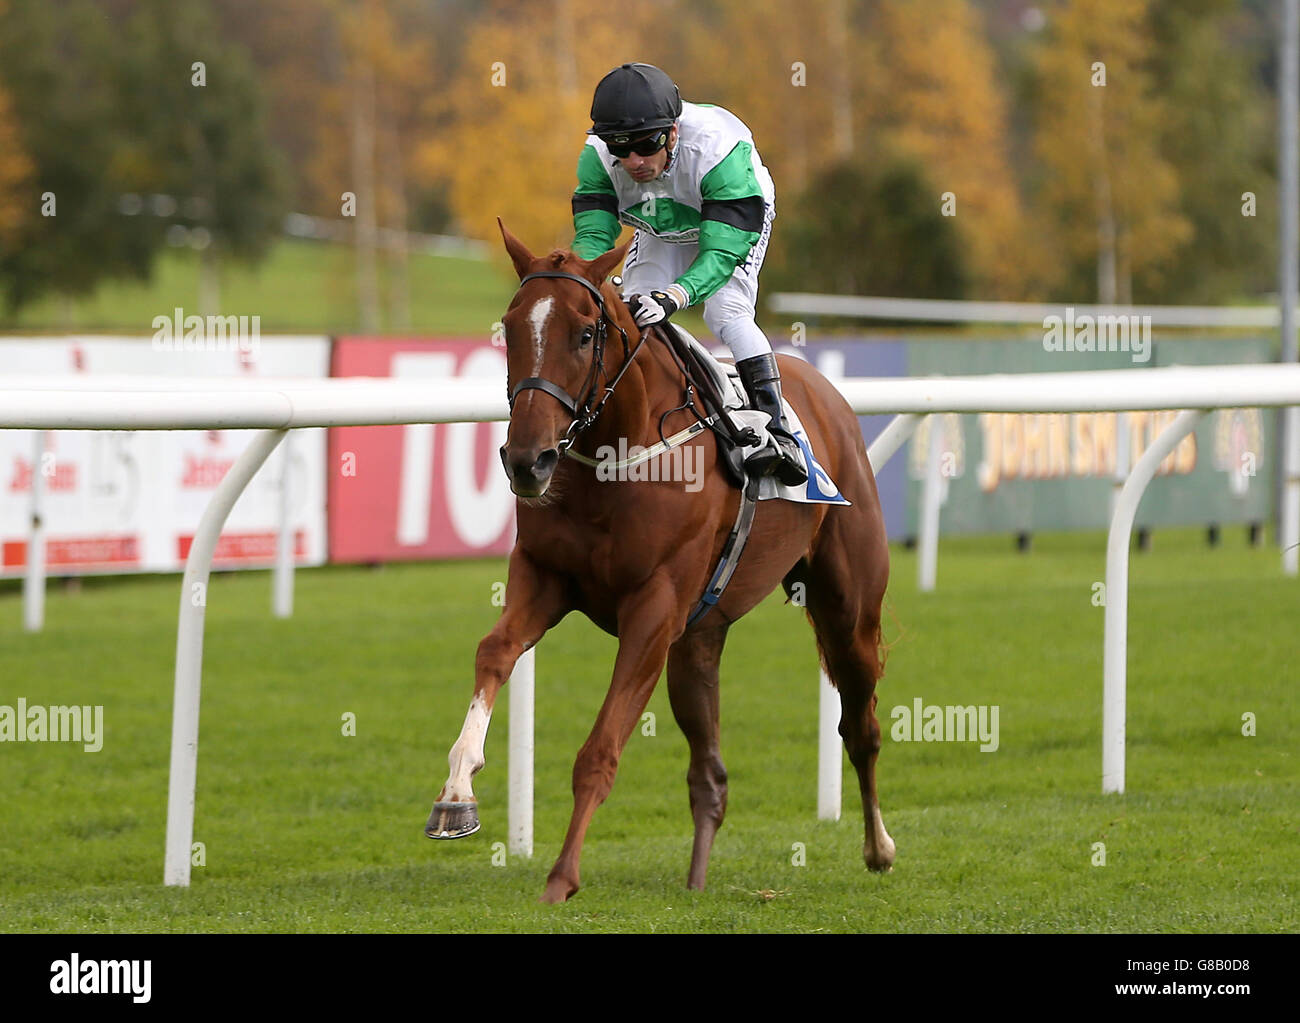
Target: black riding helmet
632,100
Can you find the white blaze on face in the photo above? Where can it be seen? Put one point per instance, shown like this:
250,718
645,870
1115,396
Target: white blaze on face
466,757
537,320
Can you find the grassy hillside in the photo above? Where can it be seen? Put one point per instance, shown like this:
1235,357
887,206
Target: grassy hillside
301,286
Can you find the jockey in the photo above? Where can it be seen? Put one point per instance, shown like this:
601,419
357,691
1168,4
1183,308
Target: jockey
688,178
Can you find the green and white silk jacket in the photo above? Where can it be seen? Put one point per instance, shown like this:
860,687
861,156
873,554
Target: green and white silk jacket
714,193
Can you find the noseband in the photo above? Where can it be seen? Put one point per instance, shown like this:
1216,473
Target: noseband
584,413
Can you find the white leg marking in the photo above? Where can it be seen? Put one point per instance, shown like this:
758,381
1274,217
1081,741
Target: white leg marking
466,757
880,841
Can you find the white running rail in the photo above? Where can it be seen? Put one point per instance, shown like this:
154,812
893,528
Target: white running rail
276,406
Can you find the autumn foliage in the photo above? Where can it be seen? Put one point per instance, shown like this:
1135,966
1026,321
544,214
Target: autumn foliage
1077,150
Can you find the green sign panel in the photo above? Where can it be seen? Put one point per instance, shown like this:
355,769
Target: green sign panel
1030,472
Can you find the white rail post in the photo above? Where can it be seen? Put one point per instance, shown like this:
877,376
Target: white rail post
189,655
282,573
1289,527
830,759
1115,643
1123,449
891,438
1288,265
830,750
519,817
830,753
927,561
34,577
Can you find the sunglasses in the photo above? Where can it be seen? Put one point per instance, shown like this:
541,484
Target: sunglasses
647,146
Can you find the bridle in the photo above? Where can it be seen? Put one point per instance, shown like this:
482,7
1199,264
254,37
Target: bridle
584,413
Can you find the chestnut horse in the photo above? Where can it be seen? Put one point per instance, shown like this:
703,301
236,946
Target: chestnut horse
636,556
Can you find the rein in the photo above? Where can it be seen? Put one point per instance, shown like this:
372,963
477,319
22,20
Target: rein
584,413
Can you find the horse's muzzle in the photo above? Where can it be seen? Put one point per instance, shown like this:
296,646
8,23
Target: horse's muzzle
529,471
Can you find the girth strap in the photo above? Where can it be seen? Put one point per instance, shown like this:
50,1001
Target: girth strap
731,552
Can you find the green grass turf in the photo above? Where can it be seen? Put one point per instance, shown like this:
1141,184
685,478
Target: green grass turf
308,830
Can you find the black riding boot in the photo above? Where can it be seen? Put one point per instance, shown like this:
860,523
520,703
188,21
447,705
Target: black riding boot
762,382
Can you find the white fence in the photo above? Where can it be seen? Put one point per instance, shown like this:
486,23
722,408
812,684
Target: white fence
276,407
942,310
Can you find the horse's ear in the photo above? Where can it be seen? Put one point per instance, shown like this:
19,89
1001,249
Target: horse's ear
519,254
598,269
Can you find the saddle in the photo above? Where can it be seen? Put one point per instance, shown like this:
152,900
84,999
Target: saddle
721,399
739,430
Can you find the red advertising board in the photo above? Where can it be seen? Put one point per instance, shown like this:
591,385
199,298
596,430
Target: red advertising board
83,554
118,501
245,548
421,491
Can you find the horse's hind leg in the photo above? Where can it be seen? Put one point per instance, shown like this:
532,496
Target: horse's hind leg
847,573
693,691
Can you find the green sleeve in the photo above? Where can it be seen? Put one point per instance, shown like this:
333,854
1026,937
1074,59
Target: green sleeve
731,221
722,249
595,207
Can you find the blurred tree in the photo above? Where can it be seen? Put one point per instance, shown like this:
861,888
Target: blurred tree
823,81
347,83
302,49
513,117
294,46
1113,197
797,90
16,170
199,134
507,151
872,227
55,67
933,92
387,74
1219,133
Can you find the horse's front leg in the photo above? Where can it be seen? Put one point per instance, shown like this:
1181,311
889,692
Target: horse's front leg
535,600
647,625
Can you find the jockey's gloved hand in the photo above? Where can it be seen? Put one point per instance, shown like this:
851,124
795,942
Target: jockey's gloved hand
656,306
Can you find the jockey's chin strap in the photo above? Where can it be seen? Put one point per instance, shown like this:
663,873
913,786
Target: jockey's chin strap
584,413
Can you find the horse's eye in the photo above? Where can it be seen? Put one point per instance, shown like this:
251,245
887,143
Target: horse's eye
587,334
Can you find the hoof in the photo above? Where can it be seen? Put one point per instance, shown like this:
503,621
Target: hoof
881,862
452,820
558,891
